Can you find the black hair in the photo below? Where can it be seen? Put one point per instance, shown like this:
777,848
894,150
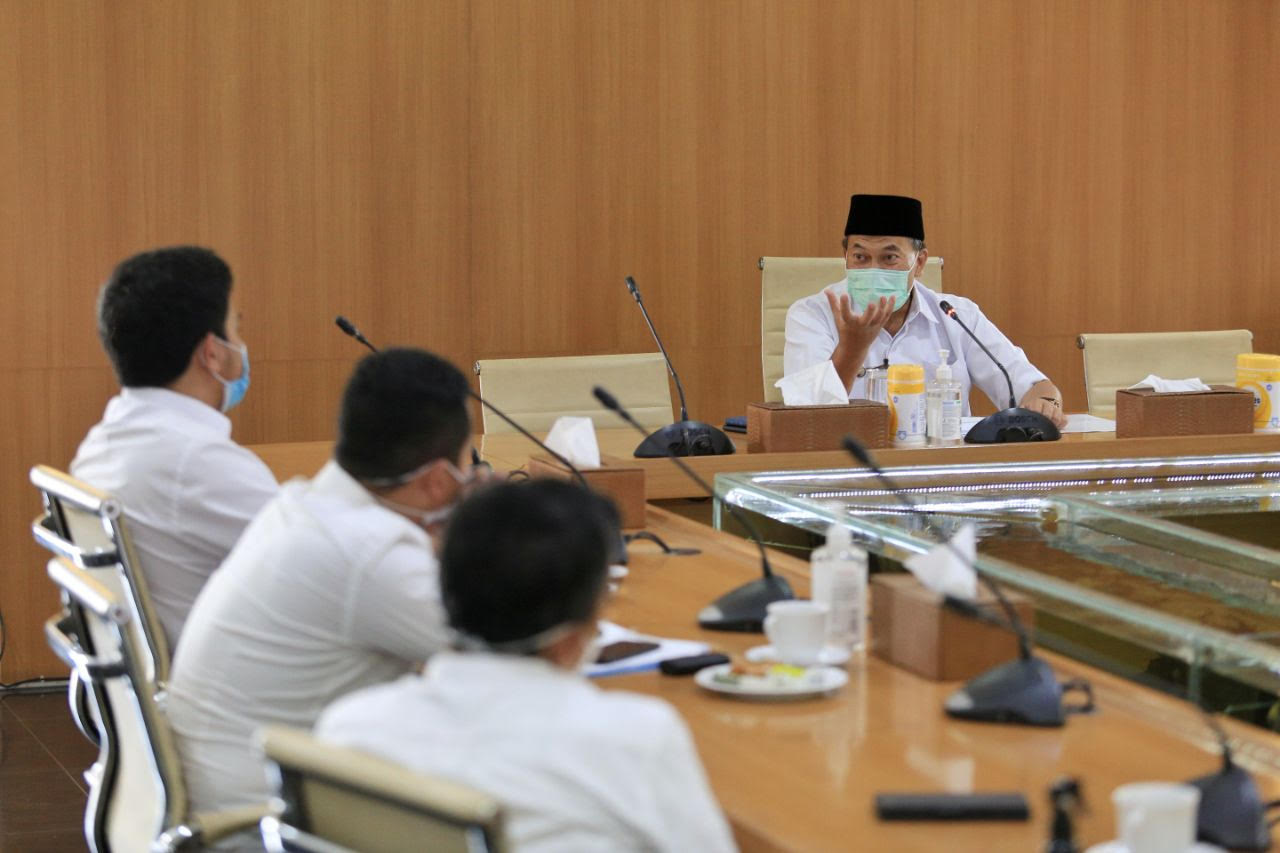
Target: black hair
402,408
157,307
521,558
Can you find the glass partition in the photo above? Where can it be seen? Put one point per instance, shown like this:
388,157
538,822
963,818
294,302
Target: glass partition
1166,570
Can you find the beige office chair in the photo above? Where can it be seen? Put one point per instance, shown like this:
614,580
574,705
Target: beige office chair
337,800
1115,361
536,391
782,282
137,799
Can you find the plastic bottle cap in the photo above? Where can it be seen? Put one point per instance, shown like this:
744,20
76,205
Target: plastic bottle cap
839,536
907,373
1257,361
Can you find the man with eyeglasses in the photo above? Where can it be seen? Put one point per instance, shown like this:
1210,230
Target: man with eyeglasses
169,322
334,586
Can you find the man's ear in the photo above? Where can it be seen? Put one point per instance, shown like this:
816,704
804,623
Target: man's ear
205,354
921,257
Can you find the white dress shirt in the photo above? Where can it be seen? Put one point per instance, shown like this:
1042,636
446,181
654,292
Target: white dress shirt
327,591
811,338
575,767
188,490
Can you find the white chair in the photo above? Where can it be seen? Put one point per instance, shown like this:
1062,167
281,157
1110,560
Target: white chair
1115,361
782,282
536,391
331,799
137,798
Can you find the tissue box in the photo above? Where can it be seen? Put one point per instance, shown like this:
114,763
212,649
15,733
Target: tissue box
910,628
1221,410
616,478
778,428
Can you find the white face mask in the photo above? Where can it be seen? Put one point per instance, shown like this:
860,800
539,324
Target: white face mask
427,517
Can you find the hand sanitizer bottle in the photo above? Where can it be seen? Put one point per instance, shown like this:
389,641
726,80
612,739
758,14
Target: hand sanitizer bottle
838,574
943,405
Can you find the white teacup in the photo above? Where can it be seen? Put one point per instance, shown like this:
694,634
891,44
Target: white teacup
796,630
1156,817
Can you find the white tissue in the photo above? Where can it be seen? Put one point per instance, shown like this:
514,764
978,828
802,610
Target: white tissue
1164,386
575,440
942,571
819,385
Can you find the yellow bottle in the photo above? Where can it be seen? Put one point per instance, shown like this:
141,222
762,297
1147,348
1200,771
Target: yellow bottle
906,404
1260,373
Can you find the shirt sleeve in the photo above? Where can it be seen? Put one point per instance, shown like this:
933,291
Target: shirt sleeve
810,335
691,817
983,372
223,487
397,607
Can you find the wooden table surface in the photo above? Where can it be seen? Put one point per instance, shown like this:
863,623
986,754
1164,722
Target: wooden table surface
802,776
663,481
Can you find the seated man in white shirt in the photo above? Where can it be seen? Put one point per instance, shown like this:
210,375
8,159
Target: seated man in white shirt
576,768
169,324
334,585
879,313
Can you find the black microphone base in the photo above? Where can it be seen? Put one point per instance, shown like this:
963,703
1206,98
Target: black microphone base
1023,691
743,609
686,438
1012,425
1231,813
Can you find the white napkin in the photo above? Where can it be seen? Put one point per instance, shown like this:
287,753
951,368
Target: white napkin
814,386
943,572
1164,386
575,440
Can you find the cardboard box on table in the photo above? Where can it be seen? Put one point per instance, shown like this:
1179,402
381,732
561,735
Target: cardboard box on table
1222,410
616,478
777,428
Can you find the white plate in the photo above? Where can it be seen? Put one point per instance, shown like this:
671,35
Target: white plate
829,656
1117,847
817,681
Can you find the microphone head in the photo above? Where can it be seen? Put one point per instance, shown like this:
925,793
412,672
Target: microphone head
947,309
858,451
631,284
606,399
345,325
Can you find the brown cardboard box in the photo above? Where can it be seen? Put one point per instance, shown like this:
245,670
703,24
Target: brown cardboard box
777,428
1219,411
615,478
910,628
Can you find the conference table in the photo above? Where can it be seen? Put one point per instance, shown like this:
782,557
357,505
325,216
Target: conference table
803,775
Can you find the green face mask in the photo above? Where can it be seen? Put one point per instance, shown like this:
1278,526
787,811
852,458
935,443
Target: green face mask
866,286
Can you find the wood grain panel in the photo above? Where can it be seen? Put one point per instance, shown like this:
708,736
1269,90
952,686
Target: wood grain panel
477,178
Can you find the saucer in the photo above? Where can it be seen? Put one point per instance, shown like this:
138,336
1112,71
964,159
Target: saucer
810,683
1115,846
829,656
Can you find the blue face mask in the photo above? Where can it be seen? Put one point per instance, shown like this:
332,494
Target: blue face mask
866,286
233,391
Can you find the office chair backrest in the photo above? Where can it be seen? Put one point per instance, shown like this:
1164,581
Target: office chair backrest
336,799
87,526
536,391
782,282
138,792
1115,361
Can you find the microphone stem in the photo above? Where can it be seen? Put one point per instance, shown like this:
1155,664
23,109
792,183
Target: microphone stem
693,475
1013,402
684,410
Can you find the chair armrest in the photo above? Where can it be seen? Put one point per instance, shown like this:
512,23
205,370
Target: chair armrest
207,827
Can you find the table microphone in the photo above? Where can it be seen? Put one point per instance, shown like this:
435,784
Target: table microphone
1024,690
686,438
1231,814
1012,424
741,609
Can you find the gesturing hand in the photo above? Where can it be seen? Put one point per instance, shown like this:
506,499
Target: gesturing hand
856,331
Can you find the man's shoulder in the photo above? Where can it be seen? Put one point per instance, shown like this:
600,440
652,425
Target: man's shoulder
630,720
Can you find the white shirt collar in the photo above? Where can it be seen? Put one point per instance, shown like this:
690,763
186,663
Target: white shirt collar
178,403
450,667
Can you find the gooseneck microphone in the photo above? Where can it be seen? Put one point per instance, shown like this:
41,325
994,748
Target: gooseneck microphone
1022,691
349,328
741,609
686,438
1012,424
1231,814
